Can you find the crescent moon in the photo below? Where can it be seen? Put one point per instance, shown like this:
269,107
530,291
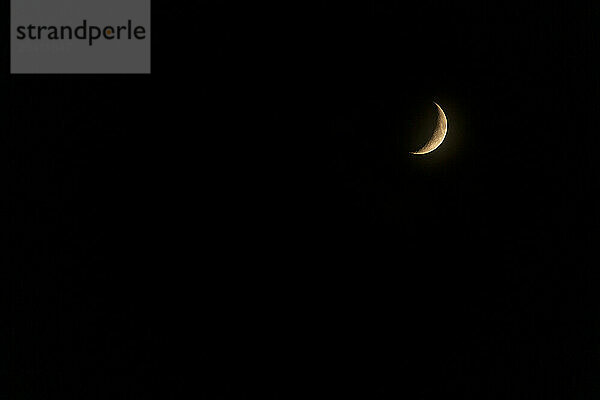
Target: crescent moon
439,134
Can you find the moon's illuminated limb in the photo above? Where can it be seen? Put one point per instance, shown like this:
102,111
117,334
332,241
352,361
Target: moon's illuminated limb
438,134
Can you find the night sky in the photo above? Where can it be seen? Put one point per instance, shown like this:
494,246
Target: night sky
247,222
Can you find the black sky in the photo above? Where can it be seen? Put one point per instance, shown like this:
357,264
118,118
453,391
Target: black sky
467,273
247,222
